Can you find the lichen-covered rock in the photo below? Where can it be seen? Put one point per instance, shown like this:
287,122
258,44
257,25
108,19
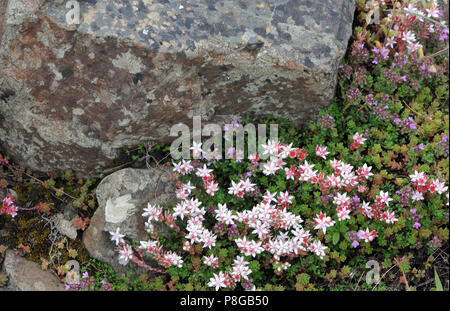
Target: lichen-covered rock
25,275
73,95
122,196
65,226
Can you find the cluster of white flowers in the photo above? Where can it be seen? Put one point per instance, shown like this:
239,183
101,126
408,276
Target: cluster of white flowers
422,184
269,225
400,33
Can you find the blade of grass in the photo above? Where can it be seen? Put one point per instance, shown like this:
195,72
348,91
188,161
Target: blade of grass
438,281
399,264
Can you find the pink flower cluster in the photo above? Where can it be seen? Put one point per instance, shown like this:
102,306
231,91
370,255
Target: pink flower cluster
269,226
8,206
239,270
127,253
422,184
401,33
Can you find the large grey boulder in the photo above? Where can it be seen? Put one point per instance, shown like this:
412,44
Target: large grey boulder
73,95
25,275
122,196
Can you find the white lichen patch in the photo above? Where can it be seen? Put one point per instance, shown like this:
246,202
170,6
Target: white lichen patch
58,76
18,11
124,122
77,111
129,62
118,209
